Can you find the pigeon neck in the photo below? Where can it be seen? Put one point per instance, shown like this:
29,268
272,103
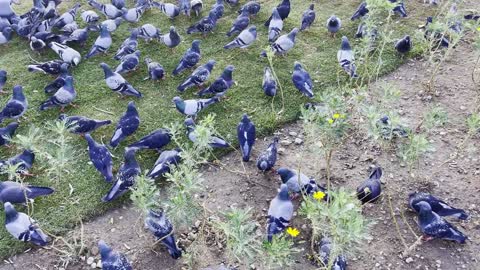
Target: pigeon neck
10,215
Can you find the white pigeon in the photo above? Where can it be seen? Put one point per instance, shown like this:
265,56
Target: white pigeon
67,54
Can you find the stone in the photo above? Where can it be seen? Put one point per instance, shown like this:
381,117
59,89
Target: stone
293,133
281,150
93,265
285,142
409,260
95,251
298,141
99,264
90,260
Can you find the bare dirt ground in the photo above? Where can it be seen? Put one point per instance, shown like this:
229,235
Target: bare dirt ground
457,182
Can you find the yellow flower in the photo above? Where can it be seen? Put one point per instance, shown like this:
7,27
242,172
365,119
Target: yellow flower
293,231
318,195
336,116
330,121
478,29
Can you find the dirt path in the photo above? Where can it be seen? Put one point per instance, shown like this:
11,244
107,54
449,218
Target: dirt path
457,182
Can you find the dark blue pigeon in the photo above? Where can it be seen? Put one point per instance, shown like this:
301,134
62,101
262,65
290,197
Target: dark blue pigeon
155,140
302,81
23,162
128,46
100,157
240,23
404,45
63,97
438,206
280,213
215,141
269,83
81,124
171,39
16,106
59,81
324,249
439,37
169,9
67,54
298,182
388,131
112,260
283,10
218,9
23,227
4,22
128,63
126,176
67,17
6,133
155,70
308,18
246,137
102,43
118,3
118,84
126,126
15,192
3,79
253,7
333,25
198,77
190,58
232,2
370,189
268,158
6,35
361,11
166,159
53,67
221,84
197,6
191,107
399,8
185,7
205,25
50,10
434,226
160,226
108,10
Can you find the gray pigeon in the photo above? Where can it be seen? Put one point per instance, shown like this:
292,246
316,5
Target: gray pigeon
16,106
240,23
171,39
149,32
346,59
133,15
169,9
128,46
102,43
283,44
333,25
67,17
90,17
128,63
269,83
308,17
23,227
244,39
112,260
155,70
14,192
111,24
117,83
275,27
302,81
214,141
198,77
191,107
108,10
63,97
67,54
297,182
280,213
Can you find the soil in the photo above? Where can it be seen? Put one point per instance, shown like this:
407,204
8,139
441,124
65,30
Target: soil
456,181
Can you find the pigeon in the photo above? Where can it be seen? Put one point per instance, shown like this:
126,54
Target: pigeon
184,7
3,79
240,23
78,36
389,132
51,67
218,9
39,40
118,84
67,54
45,26
23,227
269,83
6,35
283,44
399,8
126,176
6,10
37,44
50,11
126,126
81,124
214,141
190,58
171,39
16,106
275,27
280,213
370,189
128,46
4,22
59,81
197,6
111,24
69,28
23,162
155,70
404,45
333,25
6,133
440,38
198,77
221,84
100,158
438,206
171,10
205,25
297,182
253,7
361,11
155,140
15,192
246,137
324,249
112,260
67,17
346,59
244,39
302,81
149,32
128,63
160,226
102,43
118,3
308,17
283,10
267,159
133,15
109,10
191,107
64,96
434,226
232,2
166,159
90,17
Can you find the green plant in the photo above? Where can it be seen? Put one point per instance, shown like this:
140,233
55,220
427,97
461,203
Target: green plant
145,195
473,124
270,56
279,253
415,146
435,116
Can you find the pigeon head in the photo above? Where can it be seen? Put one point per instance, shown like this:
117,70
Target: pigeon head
275,139
18,92
10,212
104,249
131,107
407,38
275,14
376,173
293,34
75,61
69,82
424,207
245,118
285,174
252,29
210,64
227,72
311,7
156,213
384,120
196,45
429,20
7,32
345,44
129,155
189,123
28,156
297,66
118,21
283,193
333,21
177,100
148,60
64,68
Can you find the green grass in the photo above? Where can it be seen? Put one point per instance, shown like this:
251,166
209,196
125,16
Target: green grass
315,49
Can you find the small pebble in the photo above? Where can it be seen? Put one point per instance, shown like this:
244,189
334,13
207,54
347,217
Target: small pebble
298,141
409,260
90,260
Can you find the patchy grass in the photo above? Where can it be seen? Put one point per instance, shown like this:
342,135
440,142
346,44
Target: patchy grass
316,50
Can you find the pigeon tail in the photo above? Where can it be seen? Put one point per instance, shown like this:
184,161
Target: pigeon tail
47,104
33,191
173,250
103,123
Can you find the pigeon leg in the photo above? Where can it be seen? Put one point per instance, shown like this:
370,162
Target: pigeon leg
74,105
62,109
27,174
2,92
427,238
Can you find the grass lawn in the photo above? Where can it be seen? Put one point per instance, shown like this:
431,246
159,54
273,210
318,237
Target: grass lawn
314,48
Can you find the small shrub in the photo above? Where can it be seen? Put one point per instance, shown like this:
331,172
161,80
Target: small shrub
416,146
279,253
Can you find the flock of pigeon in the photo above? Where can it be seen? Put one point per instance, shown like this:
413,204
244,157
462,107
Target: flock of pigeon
44,27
